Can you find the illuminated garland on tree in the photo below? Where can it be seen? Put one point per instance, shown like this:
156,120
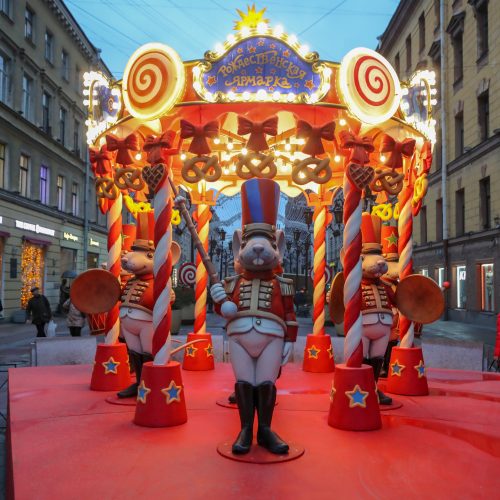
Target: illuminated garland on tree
32,267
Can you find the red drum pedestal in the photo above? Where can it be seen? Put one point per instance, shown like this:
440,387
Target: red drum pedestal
111,368
407,372
160,397
318,354
353,400
199,356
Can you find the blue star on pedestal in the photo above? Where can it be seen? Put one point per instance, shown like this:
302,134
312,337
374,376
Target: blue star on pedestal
357,397
313,352
191,351
397,369
332,392
111,366
172,392
420,369
209,350
330,352
142,392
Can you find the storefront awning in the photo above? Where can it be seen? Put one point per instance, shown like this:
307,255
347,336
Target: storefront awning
37,241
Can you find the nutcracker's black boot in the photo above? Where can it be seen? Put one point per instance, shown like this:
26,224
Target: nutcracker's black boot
246,407
265,395
138,360
376,364
387,358
232,398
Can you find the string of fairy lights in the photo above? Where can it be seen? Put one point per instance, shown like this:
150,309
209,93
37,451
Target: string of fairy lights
32,266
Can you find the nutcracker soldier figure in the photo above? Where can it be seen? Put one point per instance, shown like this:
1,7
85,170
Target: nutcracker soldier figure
262,326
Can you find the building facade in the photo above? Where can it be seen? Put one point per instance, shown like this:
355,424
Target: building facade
49,223
463,246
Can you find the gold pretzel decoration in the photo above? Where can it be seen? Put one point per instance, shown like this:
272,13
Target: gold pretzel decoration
320,174
265,169
105,188
176,217
388,180
383,211
129,178
420,189
395,211
210,171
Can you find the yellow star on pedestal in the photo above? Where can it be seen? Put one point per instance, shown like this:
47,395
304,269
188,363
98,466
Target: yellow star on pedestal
313,352
172,392
142,392
332,392
209,350
330,352
357,397
191,351
420,369
111,366
397,369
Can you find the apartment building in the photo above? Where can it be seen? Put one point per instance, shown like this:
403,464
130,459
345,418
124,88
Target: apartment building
49,224
464,246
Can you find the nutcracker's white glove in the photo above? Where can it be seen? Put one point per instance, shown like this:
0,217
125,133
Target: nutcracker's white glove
218,293
287,351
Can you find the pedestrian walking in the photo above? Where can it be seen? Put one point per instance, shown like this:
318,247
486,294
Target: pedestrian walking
75,318
38,310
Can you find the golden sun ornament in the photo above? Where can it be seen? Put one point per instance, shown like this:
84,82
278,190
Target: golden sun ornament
250,19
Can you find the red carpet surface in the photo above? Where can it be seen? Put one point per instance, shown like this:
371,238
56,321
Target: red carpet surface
68,442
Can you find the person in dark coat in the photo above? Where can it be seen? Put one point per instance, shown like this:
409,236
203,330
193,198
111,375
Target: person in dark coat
38,310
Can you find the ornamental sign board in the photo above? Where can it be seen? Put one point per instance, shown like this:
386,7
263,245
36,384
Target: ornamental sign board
261,66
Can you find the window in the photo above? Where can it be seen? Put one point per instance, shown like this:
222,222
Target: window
60,193
397,64
421,32
49,46
481,12
78,80
439,219
460,212
76,138
459,134
62,125
408,52
4,79
46,113
458,56
437,12
44,184
461,276
2,165
423,225
487,288
483,115
29,24
5,7
440,273
65,65
485,203
27,97
24,164
74,199
424,272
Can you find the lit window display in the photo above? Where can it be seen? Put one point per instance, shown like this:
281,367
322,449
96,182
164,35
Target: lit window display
440,276
32,268
424,272
487,288
461,292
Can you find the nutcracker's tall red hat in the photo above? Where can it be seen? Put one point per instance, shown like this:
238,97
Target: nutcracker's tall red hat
389,238
370,233
128,236
260,201
145,232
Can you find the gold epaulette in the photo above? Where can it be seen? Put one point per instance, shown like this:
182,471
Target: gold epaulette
286,286
230,283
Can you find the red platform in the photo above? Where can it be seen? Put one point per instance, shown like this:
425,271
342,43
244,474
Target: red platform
68,442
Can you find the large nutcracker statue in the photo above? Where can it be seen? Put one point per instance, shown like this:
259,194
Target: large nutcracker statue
263,326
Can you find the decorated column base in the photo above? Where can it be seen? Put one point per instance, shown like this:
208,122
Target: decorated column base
199,356
407,372
353,400
111,368
160,397
318,354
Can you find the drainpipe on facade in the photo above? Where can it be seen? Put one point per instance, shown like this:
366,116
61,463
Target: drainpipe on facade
86,210
444,165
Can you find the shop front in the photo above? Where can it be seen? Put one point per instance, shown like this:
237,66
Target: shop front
96,250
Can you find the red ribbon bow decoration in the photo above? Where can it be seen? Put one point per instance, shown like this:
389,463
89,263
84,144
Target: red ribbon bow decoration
426,155
314,145
199,133
361,147
397,149
100,161
123,146
258,130
159,148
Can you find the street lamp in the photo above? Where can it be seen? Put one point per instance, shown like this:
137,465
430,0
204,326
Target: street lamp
289,247
222,236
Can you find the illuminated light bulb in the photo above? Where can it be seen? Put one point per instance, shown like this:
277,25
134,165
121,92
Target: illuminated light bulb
231,95
217,140
432,74
233,168
86,75
261,28
303,50
196,71
244,151
404,91
231,38
278,30
434,102
226,171
219,48
291,97
183,156
138,156
383,158
116,105
301,141
87,122
86,92
288,146
342,122
230,145
336,158
261,94
245,31
86,102
276,95
275,152
246,95
434,91
292,39
425,102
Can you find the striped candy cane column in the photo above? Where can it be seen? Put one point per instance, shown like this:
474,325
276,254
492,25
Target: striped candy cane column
114,223
162,270
353,324
203,216
319,265
405,249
